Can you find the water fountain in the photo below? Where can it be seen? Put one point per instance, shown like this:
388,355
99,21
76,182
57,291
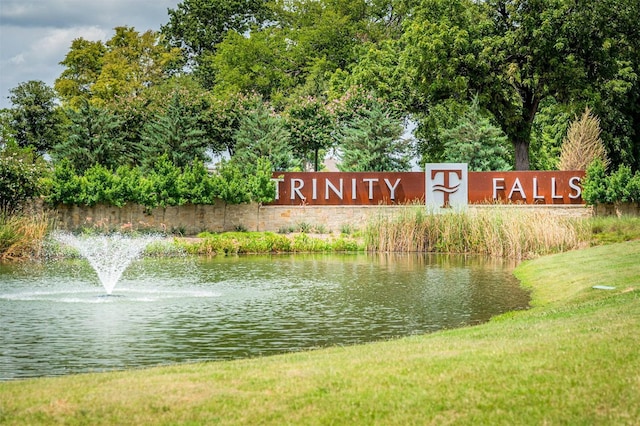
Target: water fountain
109,255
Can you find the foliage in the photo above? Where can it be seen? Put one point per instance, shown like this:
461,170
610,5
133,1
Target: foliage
34,118
531,64
582,145
198,26
163,184
21,172
175,133
95,137
124,66
371,141
82,65
252,64
548,130
474,140
514,55
239,183
602,188
263,134
311,126
22,236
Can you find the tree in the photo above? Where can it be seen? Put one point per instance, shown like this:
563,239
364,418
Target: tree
311,126
476,141
198,26
133,62
95,138
124,66
252,63
222,116
549,128
514,54
35,120
175,132
583,144
262,134
83,64
371,141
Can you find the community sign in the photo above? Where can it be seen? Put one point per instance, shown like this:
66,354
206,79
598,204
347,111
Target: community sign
440,185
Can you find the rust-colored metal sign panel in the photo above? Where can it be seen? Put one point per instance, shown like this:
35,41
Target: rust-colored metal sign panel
341,188
375,188
527,187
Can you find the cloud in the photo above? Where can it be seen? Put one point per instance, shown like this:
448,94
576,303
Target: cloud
35,35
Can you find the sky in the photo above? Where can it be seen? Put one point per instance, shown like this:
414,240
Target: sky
35,35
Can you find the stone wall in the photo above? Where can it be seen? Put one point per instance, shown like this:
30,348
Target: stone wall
192,219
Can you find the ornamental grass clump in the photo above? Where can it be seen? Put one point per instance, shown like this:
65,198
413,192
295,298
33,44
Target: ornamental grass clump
21,236
493,232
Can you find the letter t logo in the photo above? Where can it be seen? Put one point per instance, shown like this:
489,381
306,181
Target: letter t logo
446,185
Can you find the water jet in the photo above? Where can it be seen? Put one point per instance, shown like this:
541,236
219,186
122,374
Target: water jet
109,255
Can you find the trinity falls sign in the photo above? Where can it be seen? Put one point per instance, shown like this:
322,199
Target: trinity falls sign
440,185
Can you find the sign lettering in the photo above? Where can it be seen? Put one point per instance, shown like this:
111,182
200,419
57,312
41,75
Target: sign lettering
441,185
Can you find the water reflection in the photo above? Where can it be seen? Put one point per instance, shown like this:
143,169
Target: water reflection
57,320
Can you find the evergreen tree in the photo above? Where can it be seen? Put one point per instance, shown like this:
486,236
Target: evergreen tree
175,133
95,137
262,134
477,142
371,141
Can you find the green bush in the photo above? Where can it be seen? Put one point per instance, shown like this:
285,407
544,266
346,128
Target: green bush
619,186
21,173
163,185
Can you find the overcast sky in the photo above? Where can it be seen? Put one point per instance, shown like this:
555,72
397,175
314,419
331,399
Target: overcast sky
35,35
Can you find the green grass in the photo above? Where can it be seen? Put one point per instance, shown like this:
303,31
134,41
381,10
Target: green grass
230,243
572,359
606,230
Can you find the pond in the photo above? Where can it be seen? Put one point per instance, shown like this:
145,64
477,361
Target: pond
56,318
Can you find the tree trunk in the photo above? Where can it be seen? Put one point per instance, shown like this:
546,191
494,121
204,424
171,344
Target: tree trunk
522,154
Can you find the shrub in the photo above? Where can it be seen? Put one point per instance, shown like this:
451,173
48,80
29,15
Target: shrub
164,185
21,172
619,186
594,185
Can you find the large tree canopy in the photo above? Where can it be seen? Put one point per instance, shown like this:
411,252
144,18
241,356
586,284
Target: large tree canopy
34,119
124,66
514,54
532,65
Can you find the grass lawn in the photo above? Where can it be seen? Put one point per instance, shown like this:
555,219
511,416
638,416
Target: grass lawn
574,358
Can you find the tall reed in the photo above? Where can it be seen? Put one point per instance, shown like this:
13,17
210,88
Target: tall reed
22,236
511,233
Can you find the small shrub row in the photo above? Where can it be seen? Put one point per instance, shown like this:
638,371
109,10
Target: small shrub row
163,185
620,186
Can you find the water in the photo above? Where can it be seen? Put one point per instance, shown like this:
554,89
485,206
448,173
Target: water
109,255
56,318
